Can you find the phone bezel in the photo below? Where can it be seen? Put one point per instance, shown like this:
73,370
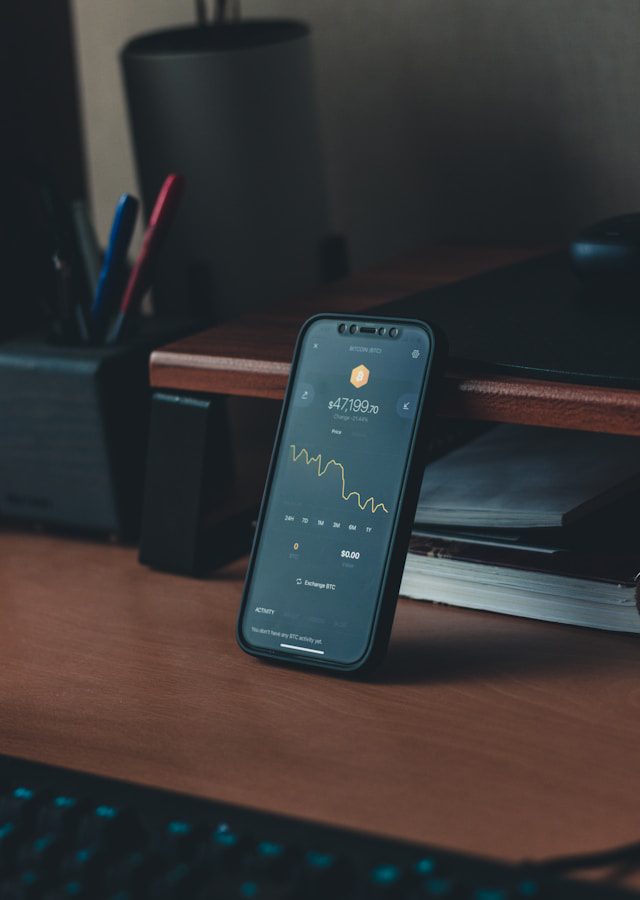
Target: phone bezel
387,593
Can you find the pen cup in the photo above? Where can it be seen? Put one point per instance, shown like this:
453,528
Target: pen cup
73,434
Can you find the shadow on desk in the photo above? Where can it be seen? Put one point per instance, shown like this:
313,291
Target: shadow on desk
492,646
436,644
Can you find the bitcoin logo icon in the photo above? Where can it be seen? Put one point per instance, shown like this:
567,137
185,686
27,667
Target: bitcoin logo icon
359,376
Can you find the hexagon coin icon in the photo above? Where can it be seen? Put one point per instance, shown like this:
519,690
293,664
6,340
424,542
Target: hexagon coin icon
359,376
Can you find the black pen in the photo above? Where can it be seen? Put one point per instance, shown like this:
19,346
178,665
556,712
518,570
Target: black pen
62,271
87,244
73,325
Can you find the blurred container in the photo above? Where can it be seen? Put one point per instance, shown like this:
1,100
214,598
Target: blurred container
232,108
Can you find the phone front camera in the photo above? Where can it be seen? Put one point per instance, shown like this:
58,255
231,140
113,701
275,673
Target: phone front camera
353,329
382,330
393,332
342,328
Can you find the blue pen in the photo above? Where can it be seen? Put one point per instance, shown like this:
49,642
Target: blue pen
113,270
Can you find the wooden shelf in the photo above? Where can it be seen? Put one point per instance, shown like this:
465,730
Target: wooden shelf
250,356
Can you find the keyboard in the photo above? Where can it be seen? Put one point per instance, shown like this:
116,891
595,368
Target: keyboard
64,834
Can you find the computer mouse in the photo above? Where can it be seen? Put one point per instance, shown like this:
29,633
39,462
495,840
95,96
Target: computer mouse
608,252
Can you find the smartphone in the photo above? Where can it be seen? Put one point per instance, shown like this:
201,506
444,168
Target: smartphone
341,493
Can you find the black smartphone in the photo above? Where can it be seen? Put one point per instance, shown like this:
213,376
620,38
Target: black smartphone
341,494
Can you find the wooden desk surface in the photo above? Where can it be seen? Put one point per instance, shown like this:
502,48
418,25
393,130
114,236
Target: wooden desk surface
250,356
482,733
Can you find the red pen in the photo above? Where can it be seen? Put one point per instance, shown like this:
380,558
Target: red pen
139,282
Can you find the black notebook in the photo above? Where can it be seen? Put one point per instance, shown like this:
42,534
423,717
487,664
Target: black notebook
526,477
534,319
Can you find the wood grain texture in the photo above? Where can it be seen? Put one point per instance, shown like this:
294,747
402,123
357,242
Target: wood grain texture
501,398
482,732
251,356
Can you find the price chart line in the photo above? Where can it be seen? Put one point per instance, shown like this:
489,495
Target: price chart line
321,469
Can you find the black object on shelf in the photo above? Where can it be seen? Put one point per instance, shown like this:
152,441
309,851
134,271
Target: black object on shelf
534,319
193,516
607,255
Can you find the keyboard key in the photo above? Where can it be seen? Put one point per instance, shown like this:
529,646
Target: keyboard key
179,840
85,864
222,849
528,889
320,872
425,867
25,885
386,880
9,838
438,887
70,890
130,872
19,804
270,859
60,813
44,852
175,882
492,893
113,826
248,889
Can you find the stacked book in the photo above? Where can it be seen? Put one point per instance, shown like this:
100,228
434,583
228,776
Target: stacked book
533,522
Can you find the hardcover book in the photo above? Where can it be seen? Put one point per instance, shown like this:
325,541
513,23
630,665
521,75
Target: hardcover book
592,589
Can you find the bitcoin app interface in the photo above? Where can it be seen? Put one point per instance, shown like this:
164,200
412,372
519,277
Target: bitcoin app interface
334,496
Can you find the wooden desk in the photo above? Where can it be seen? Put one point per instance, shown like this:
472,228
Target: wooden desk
482,733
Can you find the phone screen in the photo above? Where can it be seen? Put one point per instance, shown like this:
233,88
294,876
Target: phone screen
329,518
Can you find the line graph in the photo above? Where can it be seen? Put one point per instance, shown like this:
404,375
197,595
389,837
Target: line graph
321,468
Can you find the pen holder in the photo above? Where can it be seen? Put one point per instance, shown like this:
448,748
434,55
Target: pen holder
73,433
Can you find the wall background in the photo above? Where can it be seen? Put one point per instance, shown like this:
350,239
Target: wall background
499,120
